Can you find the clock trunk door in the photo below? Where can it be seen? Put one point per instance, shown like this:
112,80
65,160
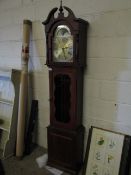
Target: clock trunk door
63,98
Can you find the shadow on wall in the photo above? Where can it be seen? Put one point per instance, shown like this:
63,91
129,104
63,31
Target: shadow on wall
37,47
39,76
2,172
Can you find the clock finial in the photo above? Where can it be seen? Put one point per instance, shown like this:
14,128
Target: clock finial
61,7
61,3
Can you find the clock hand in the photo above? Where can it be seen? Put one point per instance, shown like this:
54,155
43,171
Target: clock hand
63,49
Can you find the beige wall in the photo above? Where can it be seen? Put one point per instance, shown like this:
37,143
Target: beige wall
107,85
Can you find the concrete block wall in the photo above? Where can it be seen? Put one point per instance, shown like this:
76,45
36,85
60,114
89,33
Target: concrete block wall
107,79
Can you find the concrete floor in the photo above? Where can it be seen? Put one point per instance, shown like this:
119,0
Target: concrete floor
26,166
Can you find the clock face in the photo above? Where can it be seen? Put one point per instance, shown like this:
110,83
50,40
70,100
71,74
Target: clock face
62,44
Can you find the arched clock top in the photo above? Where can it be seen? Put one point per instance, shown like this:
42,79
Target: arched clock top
60,14
50,16
69,49
64,14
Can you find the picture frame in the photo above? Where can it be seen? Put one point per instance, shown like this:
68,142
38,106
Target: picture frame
107,153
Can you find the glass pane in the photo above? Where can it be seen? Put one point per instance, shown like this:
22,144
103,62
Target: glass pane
62,98
62,44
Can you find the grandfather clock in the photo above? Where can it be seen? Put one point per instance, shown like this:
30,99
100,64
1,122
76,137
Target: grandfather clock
66,38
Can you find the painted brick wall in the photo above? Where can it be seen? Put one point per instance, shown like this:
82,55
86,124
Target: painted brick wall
107,80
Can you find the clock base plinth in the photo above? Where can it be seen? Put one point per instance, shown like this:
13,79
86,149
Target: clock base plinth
65,149
59,167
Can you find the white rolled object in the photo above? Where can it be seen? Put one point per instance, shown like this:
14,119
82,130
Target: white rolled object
23,90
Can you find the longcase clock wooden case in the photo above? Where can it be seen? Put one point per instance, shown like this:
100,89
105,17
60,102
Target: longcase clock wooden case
66,38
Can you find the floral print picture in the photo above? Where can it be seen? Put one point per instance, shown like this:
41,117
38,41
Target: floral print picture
104,153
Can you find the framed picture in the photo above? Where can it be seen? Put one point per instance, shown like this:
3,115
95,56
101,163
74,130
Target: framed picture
108,153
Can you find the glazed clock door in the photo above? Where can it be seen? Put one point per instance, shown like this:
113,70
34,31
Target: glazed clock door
62,44
62,98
